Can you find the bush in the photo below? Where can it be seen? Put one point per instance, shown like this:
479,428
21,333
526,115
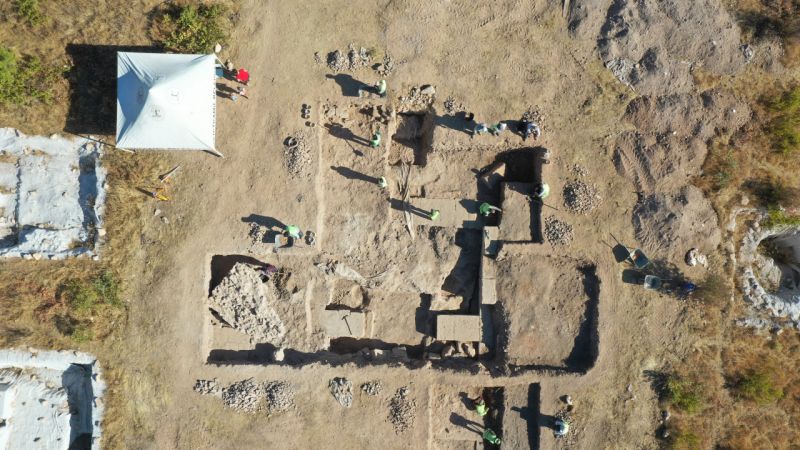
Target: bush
778,218
784,128
85,297
195,29
685,440
684,394
758,387
23,81
28,10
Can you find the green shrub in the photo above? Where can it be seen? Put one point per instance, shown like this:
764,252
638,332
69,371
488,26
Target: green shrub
85,297
758,387
23,81
684,394
82,333
778,218
195,29
685,440
28,10
784,128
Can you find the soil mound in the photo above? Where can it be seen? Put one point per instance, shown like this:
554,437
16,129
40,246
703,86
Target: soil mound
654,45
672,223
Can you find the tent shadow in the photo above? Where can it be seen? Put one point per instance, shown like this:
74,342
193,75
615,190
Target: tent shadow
93,87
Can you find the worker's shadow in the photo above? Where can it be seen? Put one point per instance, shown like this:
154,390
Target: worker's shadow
337,130
399,205
353,175
349,85
461,421
225,91
272,224
457,122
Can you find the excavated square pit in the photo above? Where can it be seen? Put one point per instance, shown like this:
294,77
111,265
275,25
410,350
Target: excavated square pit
551,305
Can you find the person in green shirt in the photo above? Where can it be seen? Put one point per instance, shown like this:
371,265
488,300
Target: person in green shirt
481,408
380,88
382,183
293,231
486,209
434,215
376,139
491,437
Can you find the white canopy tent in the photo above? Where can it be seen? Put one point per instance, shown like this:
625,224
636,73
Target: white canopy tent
166,101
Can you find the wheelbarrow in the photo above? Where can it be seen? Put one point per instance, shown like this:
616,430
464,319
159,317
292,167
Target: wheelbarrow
637,258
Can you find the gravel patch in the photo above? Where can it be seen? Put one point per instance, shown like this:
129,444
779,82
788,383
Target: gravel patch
557,232
297,155
372,387
402,410
207,387
243,396
581,198
279,396
342,390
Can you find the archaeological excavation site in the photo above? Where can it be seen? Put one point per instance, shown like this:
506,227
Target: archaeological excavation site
399,224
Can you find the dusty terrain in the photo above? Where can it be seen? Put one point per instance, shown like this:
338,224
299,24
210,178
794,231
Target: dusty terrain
620,113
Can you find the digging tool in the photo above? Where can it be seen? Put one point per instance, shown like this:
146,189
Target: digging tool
348,325
167,175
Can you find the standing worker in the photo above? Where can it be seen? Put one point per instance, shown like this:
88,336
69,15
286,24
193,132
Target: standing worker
380,88
434,215
479,128
382,183
486,209
498,128
528,129
480,407
376,139
491,437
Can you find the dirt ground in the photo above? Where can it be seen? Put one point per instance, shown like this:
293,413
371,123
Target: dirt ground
575,326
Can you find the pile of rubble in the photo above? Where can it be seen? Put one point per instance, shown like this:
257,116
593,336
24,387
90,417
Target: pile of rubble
338,61
207,387
372,388
557,232
244,302
342,390
297,155
243,396
418,98
249,396
402,410
581,198
279,396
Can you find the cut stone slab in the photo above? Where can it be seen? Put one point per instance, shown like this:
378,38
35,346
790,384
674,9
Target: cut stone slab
458,327
490,242
343,323
446,302
517,216
488,281
455,213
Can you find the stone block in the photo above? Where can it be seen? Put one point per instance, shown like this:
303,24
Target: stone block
458,327
342,323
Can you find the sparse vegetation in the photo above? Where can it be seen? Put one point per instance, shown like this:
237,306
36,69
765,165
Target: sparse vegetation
28,10
784,128
85,299
779,218
714,290
685,440
24,80
685,394
758,387
193,29
85,296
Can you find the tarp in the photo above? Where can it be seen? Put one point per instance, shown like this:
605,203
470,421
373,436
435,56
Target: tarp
166,101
